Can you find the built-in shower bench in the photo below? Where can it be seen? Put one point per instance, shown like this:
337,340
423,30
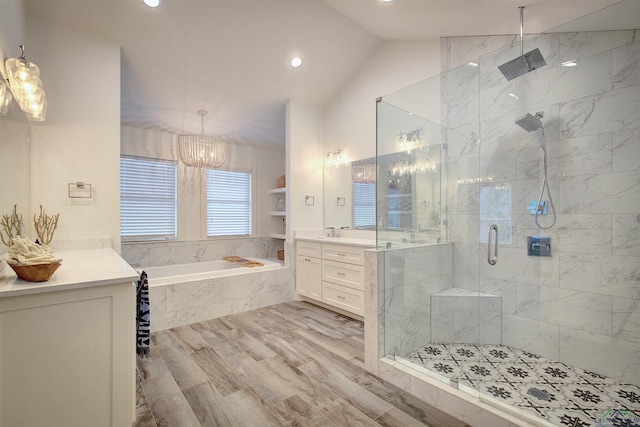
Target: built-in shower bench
463,316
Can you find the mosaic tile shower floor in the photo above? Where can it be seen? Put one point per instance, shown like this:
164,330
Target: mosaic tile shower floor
560,394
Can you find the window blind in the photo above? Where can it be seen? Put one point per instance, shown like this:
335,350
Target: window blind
148,199
228,203
364,205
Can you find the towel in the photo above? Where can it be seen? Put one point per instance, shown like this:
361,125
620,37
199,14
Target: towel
143,319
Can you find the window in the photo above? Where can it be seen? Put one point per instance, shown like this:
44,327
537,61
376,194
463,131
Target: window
228,203
364,205
148,199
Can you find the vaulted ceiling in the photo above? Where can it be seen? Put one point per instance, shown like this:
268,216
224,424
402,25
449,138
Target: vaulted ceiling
232,57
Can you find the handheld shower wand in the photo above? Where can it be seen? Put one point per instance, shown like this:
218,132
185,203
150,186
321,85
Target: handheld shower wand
532,123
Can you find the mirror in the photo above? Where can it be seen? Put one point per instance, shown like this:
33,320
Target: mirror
408,166
14,163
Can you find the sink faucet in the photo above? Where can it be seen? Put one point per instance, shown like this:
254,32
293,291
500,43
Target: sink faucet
331,231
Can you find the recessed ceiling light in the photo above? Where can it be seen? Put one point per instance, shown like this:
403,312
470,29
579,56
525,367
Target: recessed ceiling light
296,62
152,3
386,1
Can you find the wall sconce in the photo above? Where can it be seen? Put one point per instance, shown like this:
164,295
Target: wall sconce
409,140
5,98
25,83
336,158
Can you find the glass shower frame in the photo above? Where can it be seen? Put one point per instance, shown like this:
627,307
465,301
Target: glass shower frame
491,173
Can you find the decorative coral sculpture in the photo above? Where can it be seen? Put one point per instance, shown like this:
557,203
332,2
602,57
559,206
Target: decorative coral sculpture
12,225
45,226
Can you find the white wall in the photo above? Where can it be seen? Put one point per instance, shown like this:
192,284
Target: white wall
350,118
304,166
266,164
12,30
80,138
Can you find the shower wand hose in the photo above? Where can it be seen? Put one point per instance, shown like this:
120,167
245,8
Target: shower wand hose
545,184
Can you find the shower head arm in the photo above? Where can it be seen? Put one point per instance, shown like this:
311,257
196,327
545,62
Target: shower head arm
521,30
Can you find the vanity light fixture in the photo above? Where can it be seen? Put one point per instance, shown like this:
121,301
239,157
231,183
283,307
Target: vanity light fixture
202,151
296,62
26,86
409,140
336,158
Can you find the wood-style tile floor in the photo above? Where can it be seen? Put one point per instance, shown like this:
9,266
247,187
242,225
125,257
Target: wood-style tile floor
291,364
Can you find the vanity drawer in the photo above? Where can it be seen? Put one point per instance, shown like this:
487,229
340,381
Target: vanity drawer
343,253
347,299
340,273
312,249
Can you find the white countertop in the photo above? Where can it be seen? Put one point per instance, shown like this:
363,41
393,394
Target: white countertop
368,243
79,269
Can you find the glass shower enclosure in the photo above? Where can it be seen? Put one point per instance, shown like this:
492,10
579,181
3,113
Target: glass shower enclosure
541,321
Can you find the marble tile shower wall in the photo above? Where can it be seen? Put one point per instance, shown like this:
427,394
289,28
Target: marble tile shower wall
412,276
580,306
151,254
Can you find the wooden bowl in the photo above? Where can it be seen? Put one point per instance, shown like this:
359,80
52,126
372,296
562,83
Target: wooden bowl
35,273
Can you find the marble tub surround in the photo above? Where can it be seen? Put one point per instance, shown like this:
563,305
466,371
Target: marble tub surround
181,304
185,252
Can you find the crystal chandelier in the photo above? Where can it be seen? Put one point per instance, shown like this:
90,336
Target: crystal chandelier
202,151
364,173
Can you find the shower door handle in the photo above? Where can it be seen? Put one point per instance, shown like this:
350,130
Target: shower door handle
492,260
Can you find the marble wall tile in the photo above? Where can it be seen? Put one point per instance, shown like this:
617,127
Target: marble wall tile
626,319
626,65
534,336
465,259
625,234
604,274
462,110
580,156
603,193
461,81
462,140
548,86
502,132
608,112
571,308
584,233
505,289
515,265
148,254
555,48
458,51
626,150
616,358
500,165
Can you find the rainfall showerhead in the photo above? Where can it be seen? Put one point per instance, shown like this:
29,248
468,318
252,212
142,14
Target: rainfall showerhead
529,122
523,64
532,123
526,62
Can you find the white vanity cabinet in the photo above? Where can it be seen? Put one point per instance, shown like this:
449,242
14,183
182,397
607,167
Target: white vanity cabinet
331,273
308,269
67,346
343,277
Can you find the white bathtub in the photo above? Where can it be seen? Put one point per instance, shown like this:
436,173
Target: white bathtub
183,273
